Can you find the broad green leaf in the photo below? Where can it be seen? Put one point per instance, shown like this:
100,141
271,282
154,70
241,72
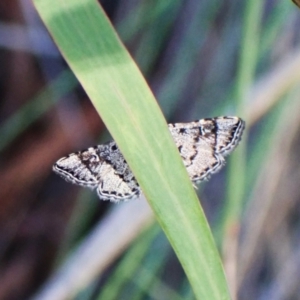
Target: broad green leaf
125,103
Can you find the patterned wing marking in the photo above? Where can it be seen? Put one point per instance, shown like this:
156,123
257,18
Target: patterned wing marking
202,145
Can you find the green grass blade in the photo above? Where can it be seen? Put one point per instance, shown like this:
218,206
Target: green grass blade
126,105
126,269
247,66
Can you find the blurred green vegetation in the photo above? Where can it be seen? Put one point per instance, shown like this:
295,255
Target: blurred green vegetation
202,59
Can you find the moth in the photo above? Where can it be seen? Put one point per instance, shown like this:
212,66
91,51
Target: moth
202,145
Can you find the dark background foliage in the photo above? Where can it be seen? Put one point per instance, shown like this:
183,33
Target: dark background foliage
191,55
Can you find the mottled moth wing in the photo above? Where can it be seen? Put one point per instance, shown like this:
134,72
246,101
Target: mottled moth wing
202,145
80,168
102,167
228,132
116,181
